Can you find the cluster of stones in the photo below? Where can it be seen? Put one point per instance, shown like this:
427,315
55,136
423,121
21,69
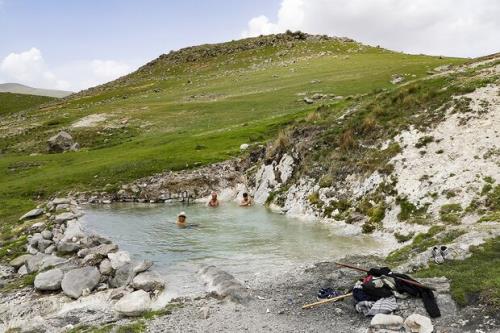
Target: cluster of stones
66,259
172,186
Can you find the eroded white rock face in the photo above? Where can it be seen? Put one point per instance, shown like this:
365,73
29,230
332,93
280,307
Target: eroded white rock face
285,168
266,182
297,202
458,158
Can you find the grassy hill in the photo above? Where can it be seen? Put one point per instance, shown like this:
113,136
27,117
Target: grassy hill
17,88
11,103
188,108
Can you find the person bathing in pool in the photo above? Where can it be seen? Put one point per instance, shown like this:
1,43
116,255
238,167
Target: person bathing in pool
181,220
246,201
213,202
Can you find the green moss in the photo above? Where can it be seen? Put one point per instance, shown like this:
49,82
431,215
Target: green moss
424,141
450,213
409,212
314,199
491,217
486,188
18,283
475,278
325,181
403,238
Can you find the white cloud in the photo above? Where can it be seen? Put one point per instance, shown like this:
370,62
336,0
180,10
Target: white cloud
30,68
448,27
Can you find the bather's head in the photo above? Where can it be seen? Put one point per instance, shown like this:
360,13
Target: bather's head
214,195
181,218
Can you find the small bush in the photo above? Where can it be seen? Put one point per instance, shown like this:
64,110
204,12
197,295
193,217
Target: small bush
424,141
450,213
403,238
314,199
325,181
368,228
347,141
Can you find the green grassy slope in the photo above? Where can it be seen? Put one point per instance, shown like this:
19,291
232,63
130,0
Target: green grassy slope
188,108
10,103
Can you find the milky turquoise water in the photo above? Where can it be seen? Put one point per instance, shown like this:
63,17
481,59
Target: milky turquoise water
243,241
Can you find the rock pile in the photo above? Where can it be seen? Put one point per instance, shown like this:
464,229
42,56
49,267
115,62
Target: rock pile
66,259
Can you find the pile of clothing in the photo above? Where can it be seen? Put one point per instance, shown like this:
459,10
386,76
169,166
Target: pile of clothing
379,290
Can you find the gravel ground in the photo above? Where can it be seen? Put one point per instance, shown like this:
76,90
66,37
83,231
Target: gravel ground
276,307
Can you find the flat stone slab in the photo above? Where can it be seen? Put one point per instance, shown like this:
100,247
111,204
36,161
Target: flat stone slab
49,280
76,280
32,214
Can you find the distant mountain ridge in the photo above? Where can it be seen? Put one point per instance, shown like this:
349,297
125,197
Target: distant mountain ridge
22,89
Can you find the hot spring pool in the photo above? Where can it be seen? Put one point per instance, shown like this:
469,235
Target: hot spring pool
243,241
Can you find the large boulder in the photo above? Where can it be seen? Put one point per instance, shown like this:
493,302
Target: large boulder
34,263
33,241
43,244
105,267
77,280
68,247
148,281
123,276
119,259
49,280
133,304
32,214
60,218
19,261
61,142
143,266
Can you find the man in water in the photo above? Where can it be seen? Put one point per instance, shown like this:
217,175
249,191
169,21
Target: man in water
181,220
214,202
246,201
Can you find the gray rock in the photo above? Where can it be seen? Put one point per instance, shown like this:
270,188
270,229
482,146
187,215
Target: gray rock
68,247
308,100
133,304
32,214
62,207
76,280
119,259
34,263
92,259
148,281
143,266
63,217
102,250
49,280
60,142
60,201
46,234
22,271
19,261
105,267
204,312
51,261
37,227
118,293
123,276
51,249
43,244
33,241
224,284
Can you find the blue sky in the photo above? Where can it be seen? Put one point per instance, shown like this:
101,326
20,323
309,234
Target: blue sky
75,44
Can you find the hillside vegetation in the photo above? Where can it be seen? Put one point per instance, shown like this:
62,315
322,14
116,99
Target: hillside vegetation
188,108
11,103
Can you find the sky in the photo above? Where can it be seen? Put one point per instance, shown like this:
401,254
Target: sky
73,45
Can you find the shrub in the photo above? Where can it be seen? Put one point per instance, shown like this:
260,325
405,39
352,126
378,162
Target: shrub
325,181
424,141
403,238
450,213
347,141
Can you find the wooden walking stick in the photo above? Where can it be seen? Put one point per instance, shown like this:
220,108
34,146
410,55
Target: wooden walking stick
307,306
394,277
